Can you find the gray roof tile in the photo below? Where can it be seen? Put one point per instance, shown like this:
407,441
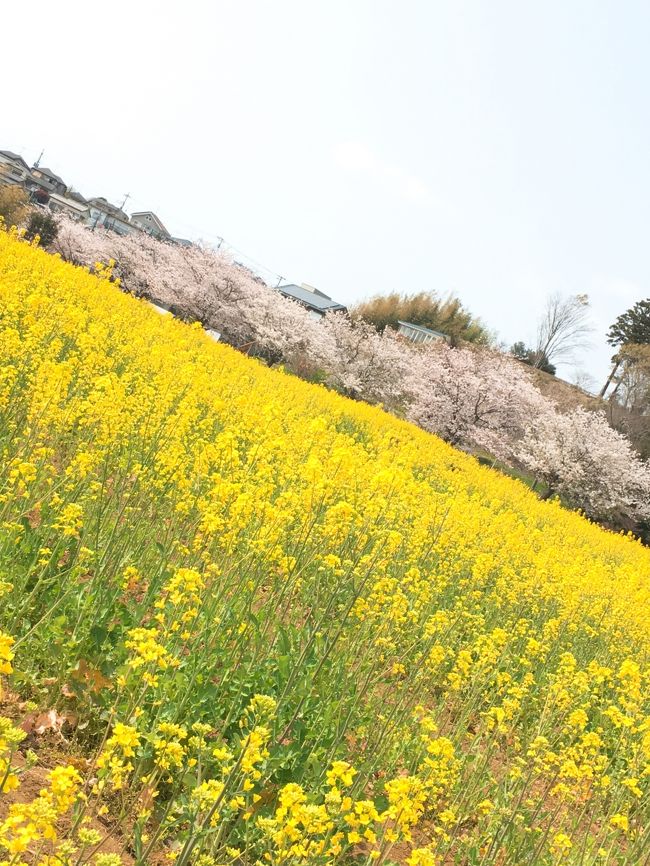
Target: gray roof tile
311,299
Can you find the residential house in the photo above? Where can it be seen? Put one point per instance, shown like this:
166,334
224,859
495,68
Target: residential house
148,222
109,216
73,204
317,302
45,179
13,168
418,333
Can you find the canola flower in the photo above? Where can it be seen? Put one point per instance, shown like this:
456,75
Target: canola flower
28,824
295,630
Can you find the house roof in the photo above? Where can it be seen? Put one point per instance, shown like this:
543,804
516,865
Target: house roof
49,173
422,329
77,196
42,182
150,213
319,301
14,157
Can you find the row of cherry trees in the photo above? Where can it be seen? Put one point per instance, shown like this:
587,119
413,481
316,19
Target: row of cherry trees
478,399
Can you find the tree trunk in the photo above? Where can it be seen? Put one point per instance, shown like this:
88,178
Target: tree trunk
617,364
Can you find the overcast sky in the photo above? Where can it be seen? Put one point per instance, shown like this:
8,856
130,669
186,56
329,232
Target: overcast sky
499,150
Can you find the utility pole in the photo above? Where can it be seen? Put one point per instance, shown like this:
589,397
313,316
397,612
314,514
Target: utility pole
126,197
279,281
38,161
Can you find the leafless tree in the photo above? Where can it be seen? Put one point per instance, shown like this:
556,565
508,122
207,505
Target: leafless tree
563,328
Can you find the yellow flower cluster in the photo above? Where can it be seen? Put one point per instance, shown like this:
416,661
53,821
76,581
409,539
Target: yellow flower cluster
294,627
6,653
36,821
305,831
115,760
10,737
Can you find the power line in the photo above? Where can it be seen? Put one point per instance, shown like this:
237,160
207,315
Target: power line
222,243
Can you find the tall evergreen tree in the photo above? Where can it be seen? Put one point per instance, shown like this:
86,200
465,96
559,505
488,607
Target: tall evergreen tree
631,328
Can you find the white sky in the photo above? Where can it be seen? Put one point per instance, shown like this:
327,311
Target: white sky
496,149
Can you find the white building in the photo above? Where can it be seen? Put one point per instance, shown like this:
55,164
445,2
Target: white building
418,333
103,213
148,222
74,207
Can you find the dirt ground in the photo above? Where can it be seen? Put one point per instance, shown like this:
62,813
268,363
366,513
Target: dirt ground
52,750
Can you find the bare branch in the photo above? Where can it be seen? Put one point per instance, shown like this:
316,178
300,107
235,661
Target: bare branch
565,327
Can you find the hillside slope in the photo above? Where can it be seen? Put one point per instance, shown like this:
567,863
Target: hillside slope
285,626
564,394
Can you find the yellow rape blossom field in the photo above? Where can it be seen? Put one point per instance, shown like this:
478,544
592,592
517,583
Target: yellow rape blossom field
274,626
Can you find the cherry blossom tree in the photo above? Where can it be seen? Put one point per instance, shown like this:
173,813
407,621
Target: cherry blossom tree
200,284
364,364
477,399
578,456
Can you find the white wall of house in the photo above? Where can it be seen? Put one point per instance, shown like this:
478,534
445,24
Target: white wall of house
417,335
149,224
97,217
143,222
62,204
